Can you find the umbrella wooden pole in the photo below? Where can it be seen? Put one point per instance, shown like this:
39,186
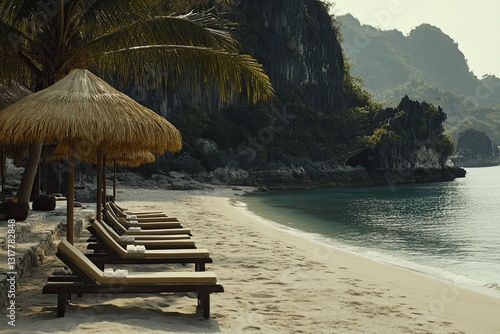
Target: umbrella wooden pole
99,187
71,195
114,181
104,169
58,176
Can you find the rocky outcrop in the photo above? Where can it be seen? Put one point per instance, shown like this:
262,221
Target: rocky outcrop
414,136
476,149
297,43
308,176
277,170
409,146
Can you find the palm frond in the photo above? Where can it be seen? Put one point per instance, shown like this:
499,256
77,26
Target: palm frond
204,30
97,16
190,67
126,37
12,93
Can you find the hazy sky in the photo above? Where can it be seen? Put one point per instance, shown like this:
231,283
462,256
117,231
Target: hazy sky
473,25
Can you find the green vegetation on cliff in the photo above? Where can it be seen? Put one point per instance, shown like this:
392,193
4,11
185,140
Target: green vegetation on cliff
321,111
428,66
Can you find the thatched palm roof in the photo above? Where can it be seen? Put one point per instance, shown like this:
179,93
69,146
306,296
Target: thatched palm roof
133,160
84,110
129,158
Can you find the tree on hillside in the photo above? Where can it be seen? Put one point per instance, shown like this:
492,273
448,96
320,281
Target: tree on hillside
41,41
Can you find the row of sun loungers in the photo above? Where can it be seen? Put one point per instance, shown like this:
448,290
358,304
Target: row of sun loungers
125,237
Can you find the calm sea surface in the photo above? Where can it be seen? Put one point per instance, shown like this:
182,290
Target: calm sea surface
450,230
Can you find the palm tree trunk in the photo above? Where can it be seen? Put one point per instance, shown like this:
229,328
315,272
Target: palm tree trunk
70,207
24,192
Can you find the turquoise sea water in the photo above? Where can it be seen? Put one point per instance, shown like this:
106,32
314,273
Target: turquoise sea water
450,230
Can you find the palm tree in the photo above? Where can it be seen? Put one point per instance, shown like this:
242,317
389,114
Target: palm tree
41,41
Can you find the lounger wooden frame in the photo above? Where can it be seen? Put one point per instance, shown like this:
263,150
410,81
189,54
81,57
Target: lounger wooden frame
183,242
117,234
88,278
116,254
141,219
139,214
111,219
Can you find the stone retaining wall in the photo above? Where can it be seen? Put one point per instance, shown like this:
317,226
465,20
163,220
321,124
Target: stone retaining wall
34,238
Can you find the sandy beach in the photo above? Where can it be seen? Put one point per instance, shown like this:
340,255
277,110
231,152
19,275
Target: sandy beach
274,282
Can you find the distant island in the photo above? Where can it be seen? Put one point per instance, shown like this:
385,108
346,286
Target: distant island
427,65
476,149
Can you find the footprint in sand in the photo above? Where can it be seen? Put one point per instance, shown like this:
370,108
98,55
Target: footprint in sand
248,328
354,292
261,295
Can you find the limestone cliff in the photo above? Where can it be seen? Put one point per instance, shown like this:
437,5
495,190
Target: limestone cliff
298,45
297,42
476,149
409,145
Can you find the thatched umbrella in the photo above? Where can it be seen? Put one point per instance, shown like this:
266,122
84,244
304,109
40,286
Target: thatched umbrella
116,158
81,111
134,160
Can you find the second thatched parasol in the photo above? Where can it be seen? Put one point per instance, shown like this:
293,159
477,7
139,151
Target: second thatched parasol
117,158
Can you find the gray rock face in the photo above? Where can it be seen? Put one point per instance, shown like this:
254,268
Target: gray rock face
476,149
284,177
299,48
13,173
411,148
208,154
185,162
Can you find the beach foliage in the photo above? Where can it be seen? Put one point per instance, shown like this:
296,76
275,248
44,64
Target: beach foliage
126,41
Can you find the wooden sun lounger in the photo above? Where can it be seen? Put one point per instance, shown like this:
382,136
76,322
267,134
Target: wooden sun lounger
88,278
114,253
121,208
109,218
170,241
139,214
112,231
141,219
147,223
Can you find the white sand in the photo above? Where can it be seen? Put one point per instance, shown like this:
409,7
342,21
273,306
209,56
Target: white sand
274,283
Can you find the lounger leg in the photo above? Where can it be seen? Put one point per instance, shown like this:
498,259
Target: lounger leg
206,304
199,267
62,299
